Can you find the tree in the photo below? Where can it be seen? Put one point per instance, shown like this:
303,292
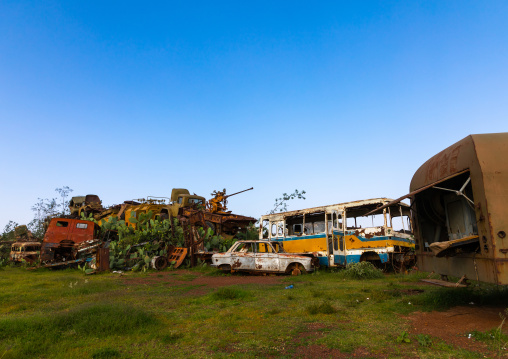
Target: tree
48,208
281,203
64,192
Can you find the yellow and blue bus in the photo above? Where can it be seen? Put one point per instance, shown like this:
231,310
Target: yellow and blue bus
340,234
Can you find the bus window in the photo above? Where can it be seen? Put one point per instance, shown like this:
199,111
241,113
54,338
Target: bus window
280,229
274,229
319,227
264,228
294,225
376,220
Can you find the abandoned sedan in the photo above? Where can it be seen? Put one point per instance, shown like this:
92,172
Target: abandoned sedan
261,256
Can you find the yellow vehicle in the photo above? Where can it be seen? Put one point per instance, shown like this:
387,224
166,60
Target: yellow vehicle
161,209
342,233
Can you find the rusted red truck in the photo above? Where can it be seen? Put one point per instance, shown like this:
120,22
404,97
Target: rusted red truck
64,236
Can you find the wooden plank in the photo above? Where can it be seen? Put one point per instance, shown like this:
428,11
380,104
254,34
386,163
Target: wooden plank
443,283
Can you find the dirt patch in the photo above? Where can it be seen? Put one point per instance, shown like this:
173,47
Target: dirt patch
184,278
453,325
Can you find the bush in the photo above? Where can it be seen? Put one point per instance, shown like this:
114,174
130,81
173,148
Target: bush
362,270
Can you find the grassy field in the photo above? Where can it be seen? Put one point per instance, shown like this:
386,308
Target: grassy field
65,314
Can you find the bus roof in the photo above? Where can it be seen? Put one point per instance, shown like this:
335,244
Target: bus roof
356,208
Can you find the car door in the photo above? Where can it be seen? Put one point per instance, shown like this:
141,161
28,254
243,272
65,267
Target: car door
243,257
267,260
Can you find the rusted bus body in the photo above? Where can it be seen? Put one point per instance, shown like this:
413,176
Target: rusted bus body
25,251
461,195
340,234
64,236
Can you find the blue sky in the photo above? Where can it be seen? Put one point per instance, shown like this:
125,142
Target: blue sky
342,99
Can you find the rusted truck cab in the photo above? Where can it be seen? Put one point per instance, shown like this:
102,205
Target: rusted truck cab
62,237
180,197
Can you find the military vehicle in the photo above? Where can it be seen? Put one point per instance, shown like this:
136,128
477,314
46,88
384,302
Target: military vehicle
84,205
186,207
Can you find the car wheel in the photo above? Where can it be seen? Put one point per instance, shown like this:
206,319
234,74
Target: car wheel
296,269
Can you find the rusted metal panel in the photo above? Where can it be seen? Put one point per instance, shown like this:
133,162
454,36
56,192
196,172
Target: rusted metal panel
102,259
481,159
177,255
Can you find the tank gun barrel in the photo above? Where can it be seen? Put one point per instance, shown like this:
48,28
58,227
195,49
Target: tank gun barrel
233,194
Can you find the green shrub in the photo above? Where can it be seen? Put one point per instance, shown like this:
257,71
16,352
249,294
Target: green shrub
362,270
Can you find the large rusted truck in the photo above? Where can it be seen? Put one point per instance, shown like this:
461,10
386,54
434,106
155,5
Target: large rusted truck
459,205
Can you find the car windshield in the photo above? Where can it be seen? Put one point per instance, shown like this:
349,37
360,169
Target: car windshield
244,248
258,247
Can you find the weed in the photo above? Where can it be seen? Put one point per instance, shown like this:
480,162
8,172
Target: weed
424,340
322,308
227,293
403,338
106,353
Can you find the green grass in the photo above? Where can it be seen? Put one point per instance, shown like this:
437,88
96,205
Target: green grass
65,314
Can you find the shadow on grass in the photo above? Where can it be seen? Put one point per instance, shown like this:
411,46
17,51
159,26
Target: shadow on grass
37,334
445,298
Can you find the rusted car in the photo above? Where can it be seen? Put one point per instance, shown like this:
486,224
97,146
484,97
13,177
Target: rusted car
261,257
25,251
63,237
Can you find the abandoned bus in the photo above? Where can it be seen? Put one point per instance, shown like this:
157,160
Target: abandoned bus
459,200
340,234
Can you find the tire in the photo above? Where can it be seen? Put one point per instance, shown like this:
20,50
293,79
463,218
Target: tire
295,269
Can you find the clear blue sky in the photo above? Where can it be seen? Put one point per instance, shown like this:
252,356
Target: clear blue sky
342,99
